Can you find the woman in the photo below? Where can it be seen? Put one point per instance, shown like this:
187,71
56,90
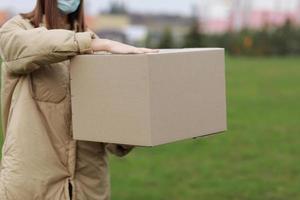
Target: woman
40,160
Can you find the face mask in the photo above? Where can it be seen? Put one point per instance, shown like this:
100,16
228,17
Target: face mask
68,6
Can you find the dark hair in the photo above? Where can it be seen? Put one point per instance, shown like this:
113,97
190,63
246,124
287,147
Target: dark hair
50,10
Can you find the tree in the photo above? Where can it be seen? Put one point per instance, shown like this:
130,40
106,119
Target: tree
117,8
285,39
148,41
167,40
193,38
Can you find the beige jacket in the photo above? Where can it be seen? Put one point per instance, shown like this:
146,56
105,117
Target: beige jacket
40,160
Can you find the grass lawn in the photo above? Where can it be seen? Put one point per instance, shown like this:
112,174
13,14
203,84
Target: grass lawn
257,159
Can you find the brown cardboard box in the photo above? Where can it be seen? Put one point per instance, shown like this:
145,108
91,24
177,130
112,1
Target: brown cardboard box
149,99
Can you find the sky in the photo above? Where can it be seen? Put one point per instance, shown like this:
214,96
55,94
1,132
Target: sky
182,7
93,6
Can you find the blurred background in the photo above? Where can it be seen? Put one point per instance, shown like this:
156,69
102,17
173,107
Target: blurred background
243,27
258,157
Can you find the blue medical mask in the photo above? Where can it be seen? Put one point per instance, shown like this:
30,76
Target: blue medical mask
68,6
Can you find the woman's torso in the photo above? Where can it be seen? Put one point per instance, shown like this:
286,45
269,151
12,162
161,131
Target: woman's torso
40,159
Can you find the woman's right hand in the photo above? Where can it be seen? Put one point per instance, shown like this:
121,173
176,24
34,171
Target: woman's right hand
118,48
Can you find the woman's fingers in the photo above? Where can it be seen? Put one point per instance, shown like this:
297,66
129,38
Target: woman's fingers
150,50
146,50
137,51
120,48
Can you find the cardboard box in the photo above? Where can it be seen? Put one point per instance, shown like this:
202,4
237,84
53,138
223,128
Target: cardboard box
148,99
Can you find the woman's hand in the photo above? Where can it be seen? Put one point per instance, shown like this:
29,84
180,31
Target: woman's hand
118,48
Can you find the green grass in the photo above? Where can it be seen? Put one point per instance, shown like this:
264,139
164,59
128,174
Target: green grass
257,159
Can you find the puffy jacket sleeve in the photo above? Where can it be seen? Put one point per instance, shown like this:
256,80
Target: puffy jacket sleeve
25,50
119,150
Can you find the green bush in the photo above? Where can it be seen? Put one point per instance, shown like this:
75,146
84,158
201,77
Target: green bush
269,41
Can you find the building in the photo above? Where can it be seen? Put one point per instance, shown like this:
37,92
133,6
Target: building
134,28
